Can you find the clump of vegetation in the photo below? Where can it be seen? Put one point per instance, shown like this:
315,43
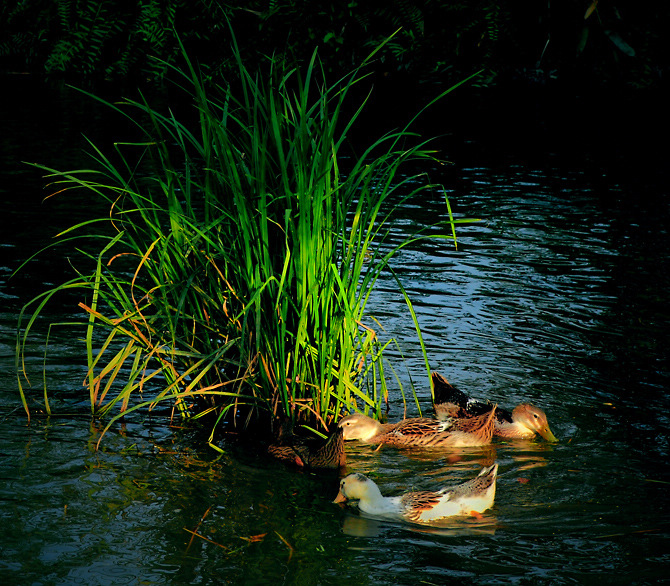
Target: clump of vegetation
232,271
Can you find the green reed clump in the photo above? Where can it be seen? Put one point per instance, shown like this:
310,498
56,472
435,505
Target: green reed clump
236,260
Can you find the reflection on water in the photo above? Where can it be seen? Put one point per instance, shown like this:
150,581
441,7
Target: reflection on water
558,297
358,525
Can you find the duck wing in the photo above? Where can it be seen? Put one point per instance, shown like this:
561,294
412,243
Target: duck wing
415,431
479,427
414,426
415,504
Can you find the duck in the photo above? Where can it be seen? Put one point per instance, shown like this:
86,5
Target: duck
422,507
421,431
311,454
525,421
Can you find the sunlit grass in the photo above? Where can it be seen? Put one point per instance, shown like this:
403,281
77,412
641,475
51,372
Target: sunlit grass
237,259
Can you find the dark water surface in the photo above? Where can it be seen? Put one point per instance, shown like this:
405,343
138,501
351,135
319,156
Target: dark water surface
559,296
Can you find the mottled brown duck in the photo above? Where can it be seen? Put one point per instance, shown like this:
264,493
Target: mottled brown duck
523,422
421,431
312,454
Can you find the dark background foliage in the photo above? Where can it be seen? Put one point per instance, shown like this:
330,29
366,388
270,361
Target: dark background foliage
577,42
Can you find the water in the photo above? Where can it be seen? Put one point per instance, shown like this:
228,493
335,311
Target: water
558,297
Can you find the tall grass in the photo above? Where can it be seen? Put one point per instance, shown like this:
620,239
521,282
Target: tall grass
237,257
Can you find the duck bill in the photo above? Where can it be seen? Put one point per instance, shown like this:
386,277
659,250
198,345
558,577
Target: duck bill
340,498
545,432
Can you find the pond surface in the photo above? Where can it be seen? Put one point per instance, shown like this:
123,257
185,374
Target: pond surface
559,296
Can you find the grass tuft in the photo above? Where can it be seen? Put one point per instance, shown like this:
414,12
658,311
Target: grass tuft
234,266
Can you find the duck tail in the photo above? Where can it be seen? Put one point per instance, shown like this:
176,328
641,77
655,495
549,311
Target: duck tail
445,392
491,470
448,401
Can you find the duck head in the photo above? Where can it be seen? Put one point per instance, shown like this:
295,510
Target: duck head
359,427
354,487
534,419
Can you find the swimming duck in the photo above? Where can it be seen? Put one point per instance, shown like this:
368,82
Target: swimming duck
425,507
523,422
311,453
421,431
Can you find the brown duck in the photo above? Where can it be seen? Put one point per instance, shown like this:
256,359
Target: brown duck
312,454
421,431
523,422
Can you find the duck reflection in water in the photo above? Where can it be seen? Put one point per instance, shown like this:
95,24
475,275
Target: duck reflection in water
360,526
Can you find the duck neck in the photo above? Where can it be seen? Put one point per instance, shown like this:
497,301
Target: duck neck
375,504
515,429
377,429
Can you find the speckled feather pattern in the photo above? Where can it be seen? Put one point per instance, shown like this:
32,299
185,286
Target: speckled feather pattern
310,454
